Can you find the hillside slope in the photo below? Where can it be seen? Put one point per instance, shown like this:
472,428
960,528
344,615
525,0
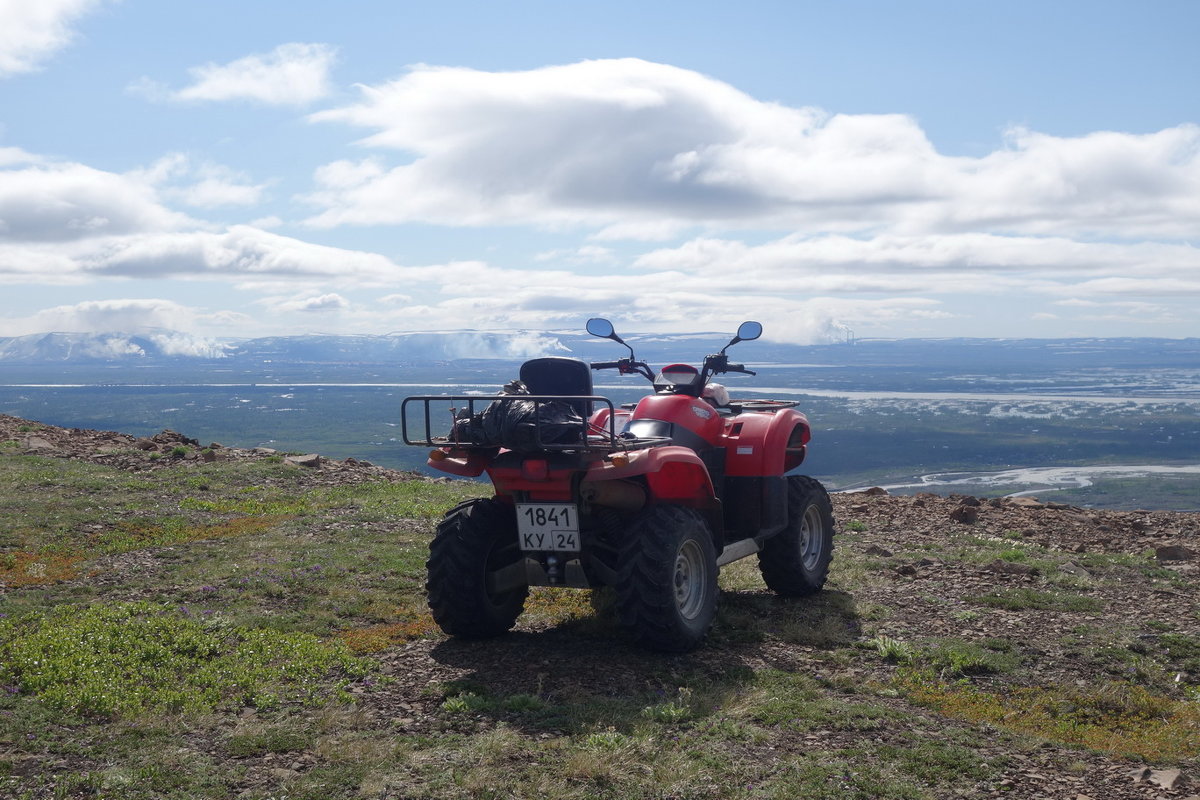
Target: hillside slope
962,648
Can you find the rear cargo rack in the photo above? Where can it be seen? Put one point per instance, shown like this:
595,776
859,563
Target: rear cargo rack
450,408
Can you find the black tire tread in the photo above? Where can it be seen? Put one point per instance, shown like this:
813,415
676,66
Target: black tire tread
780,560
458,563
645,602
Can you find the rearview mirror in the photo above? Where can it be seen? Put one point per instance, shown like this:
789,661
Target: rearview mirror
749,331
598,326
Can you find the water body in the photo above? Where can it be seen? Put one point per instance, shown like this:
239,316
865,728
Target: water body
1043,479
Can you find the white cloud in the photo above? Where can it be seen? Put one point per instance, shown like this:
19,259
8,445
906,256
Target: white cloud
221,190
967,262
101,316
309,305
586,254
66,222
200,185
13,156
292,74
33,30
168,325
68,201
635,148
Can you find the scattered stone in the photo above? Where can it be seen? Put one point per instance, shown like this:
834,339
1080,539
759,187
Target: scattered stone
284,774
1025,502
311,461
208,455
168,436
967,515
876,550
215,446
876,491
1173,552
1071,568
1140,774
906,569
264,451
1010,568
38,443
1166,778
145,444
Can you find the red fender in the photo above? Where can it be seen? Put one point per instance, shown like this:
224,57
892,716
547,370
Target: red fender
673,474
759,444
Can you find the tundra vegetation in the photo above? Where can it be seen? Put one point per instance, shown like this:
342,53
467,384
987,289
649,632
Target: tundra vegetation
249,628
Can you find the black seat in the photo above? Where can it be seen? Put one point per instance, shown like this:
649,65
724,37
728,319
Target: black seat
560,376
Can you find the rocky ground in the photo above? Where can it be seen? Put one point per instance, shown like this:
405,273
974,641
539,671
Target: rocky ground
911,569
170,449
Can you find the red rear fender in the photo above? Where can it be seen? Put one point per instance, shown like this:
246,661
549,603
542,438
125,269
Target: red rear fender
673,475
761,444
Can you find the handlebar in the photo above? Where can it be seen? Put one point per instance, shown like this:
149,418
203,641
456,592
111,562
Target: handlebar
626,366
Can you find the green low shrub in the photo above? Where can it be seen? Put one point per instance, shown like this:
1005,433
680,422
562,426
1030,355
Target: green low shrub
132,658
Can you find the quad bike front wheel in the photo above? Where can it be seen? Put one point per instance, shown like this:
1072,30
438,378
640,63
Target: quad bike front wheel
795,561
667,578
473,539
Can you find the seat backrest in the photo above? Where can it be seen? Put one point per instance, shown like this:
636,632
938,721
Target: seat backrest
562,376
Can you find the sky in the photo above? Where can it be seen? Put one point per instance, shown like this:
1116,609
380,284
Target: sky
931,168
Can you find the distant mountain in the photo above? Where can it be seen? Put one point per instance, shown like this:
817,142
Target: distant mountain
165,347
93,347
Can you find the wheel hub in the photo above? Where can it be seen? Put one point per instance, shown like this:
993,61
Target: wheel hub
689,579
811,530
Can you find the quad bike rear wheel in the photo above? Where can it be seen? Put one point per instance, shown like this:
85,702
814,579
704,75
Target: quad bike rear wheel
667,578
795,561
473,539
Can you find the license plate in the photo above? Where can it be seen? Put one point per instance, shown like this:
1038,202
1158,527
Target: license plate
551,527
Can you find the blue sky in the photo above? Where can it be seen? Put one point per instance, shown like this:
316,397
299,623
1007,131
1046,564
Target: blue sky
897,169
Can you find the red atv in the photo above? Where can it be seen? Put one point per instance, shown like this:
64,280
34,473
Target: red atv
650,499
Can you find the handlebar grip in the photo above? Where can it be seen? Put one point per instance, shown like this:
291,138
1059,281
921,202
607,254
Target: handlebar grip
606,364
740,368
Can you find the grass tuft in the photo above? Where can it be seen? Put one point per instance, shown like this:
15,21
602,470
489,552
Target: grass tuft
1024,599
1117,718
